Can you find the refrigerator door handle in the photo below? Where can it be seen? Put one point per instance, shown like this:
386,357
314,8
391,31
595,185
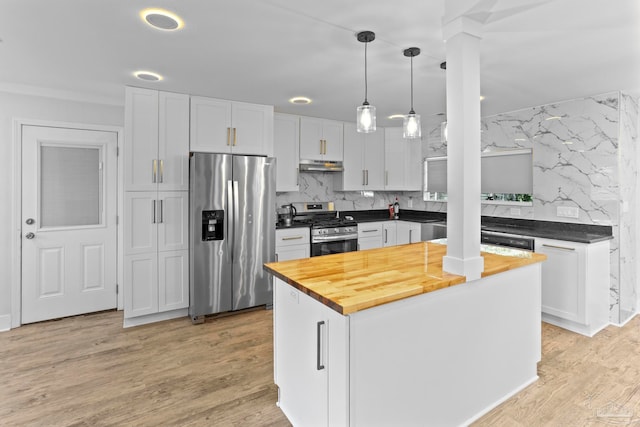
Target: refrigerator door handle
230,217
236,217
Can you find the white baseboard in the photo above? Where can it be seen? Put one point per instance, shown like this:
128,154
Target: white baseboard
5,322
620,325
156,317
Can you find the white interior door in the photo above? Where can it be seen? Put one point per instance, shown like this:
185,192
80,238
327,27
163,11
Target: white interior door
69,179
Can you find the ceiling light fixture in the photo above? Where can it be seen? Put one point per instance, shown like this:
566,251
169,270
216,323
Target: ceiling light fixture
411,125
300,100
396,116
366,114
162,19
148,76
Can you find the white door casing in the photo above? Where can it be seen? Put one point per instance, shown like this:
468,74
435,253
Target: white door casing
68,222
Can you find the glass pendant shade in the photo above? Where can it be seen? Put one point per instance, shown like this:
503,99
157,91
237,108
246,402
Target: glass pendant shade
411,128
366,118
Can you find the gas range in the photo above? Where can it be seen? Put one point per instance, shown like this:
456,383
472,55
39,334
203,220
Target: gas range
329,233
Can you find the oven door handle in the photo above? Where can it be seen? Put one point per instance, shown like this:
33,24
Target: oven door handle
334,238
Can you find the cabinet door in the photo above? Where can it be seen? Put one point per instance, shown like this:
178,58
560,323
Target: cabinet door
287,253
252,129
173,220
140,222
173,141
413,165
173,280
332,134
286,140
141,139
353,177
389,234
141,284
311,140
299,357
210,125
563,285
373,153
394,159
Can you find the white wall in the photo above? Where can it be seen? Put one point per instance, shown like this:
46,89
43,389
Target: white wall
18,106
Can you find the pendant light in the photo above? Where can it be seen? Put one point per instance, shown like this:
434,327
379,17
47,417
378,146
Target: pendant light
411,125
366,113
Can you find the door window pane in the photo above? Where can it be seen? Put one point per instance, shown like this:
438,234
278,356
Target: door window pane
70,186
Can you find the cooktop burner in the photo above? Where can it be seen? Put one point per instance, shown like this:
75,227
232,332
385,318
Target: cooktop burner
324,221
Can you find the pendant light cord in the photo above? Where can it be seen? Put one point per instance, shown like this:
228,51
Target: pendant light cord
411,83
365,72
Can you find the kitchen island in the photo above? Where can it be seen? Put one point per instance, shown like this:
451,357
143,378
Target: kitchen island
385,337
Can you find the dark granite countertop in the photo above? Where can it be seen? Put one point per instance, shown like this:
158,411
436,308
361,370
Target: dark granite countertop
293,225
571,232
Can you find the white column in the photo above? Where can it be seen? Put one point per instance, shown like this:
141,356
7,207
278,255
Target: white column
462,36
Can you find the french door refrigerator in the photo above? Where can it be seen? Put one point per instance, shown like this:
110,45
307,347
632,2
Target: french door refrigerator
232,232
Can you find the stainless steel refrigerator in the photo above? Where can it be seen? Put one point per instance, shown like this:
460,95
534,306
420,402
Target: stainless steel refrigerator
232,232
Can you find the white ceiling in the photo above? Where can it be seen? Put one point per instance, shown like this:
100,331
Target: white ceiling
533,52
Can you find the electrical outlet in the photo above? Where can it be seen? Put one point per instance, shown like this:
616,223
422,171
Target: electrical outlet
567,212
515,212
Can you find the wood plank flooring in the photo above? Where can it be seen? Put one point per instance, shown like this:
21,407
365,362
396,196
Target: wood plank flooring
88,370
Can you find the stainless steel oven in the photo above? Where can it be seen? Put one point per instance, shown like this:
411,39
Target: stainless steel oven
327,240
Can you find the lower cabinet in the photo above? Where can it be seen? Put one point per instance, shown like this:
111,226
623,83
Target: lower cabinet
311,359
292,243
370,235
575,285
156,261
408,232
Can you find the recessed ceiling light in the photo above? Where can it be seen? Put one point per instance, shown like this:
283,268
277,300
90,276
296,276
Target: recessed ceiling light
300,100
148,76
481,97
162,19
396,116
553,118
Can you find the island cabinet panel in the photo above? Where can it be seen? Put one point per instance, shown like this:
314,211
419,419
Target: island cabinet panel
575,285
310,355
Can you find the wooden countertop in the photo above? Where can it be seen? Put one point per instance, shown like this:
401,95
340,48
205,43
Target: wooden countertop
354,281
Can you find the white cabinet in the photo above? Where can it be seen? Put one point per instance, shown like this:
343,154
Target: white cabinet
310,358
286,144
403,160
292,243
320,139
575,284
156,140
363,161
408,232
156,250
221,126
389,231
369,235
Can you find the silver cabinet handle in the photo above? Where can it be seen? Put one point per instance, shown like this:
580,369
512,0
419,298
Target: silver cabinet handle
367,175
29,236
154,171
321,147
385,235
235,136
319,365
161,180
161,212
153,210
564,248
371,230
228,136
362,176
292,238
410,232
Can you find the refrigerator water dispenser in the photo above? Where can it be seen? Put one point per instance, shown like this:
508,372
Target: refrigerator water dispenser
212,225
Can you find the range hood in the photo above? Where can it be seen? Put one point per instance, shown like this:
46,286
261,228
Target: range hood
320,166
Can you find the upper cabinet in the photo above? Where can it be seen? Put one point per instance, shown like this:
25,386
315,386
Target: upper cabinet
320,139
403,161
363,161
156,140
220,126
286,142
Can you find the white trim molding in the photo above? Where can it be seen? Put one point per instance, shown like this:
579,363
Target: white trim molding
5,322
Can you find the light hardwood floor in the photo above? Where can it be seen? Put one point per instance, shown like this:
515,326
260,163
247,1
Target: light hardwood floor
88,370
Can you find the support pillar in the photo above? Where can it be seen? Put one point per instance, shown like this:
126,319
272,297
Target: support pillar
462,36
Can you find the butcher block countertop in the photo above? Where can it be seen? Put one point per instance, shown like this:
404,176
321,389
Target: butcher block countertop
355,281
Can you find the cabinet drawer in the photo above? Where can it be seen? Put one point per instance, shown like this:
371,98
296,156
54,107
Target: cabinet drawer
292,236
370,229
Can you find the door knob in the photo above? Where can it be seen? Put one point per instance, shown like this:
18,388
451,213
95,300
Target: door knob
30,221
29,236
